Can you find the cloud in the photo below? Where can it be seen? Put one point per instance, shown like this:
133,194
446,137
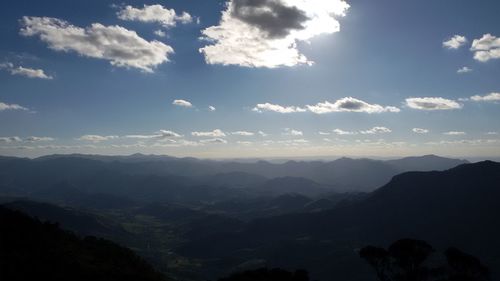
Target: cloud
154,13
265,33
277,108
432,103
214,140
294,142
492,133
349,104
342,132
211,108
292,132
38,139
262,134
321,133
455,42
10,139
141,136
454,133
466,142
161,134
160,33
464,69
168,134
420,131
243,133
25,71
376,130
120,46
215,133
96,138
183,103
488,97
486,48
6,106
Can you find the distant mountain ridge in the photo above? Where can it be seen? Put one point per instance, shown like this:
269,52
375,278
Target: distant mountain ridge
343,174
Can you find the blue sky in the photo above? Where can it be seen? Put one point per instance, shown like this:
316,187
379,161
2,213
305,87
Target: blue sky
285,78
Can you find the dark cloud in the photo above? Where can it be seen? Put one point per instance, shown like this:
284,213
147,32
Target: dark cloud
271,16
352,105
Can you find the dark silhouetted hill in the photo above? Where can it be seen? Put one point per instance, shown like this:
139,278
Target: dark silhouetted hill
69,219
32,250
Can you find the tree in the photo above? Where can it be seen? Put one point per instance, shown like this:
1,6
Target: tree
379,259
405,260
464,267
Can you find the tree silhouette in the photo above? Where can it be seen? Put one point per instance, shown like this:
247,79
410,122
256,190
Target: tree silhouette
464,267
379,259
405,260
408,256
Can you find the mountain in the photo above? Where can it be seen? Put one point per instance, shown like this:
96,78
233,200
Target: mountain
284,185
457,207
69,219
425,163
233,179
32,250
142,176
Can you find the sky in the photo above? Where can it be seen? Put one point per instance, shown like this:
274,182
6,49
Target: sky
250,78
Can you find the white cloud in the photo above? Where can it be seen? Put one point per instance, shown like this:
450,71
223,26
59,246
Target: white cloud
214,140
25,71
294,142
264,33
262,134
211,108
488,97
215,133
183,103
160,33
161,134
454,133
420,131
376,130
243,133
6,106
349,104
464,69
168,134
154,13
475,142
432,103
120,46
96,138
455,42
492,133
486,48
30,72
10,139
292,132
321,133
342,132
38,139
277,108
141,136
